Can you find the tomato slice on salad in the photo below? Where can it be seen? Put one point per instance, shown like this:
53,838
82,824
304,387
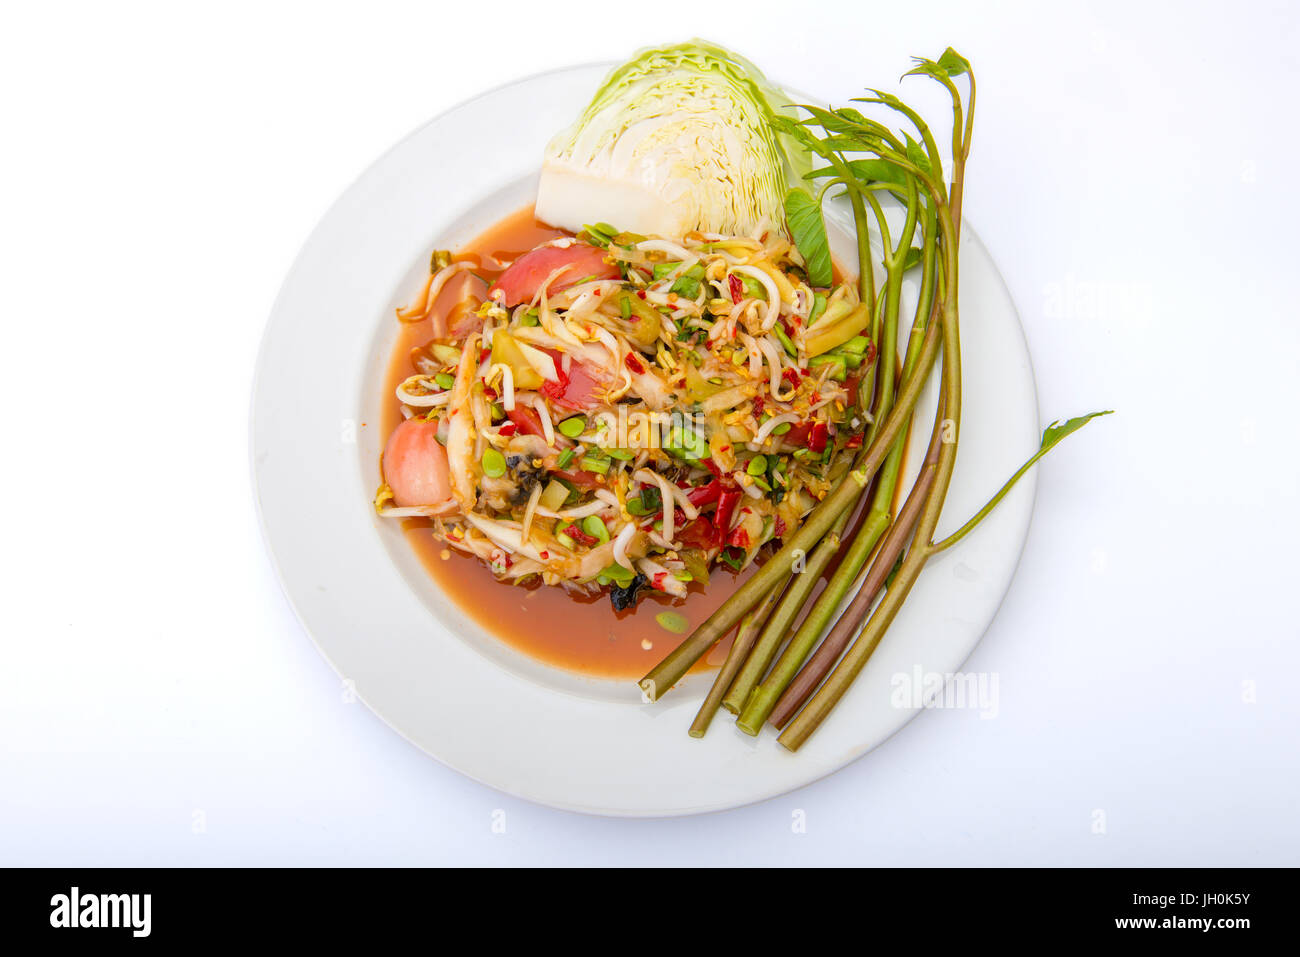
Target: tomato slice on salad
520,282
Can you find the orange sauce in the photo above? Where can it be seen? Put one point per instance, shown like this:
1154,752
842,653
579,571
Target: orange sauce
583,635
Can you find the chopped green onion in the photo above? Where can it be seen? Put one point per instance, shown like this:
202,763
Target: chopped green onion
649,502
494,463
573,426
565,459
563,538
625,307
594,462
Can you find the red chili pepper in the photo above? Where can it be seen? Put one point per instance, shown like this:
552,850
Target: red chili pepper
508,429
779,528
633,362
791,376
727,501
852,385
579,536
483,354
758,406
854,442
738,538
702,495
737,288
640,293
490,392
818,437
658,581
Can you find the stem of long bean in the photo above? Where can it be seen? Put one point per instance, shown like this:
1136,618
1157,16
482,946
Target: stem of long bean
784,699
748,630
811,717
673,667
766,647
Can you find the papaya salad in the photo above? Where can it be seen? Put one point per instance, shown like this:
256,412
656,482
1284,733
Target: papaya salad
619,411
627,408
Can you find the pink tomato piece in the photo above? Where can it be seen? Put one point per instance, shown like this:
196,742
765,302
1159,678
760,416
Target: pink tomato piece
455,312
520,282
415,465
579,388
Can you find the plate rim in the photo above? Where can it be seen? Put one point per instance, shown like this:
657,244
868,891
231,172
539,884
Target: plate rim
258,380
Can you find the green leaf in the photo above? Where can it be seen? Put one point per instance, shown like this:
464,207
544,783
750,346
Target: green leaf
912,259
868,171
808,230
954,63
1052,436
926,68
917,154
832,122
852,115
1058,430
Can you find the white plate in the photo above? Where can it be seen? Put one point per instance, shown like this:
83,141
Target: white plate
413,656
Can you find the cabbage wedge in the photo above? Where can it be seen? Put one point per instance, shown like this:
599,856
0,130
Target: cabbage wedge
677,139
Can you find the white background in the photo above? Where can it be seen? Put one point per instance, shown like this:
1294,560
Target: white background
1133,175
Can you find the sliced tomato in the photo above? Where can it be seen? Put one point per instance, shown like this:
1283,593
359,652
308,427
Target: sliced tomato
798,435
698,534
579,477
520,282
578,388
526,420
